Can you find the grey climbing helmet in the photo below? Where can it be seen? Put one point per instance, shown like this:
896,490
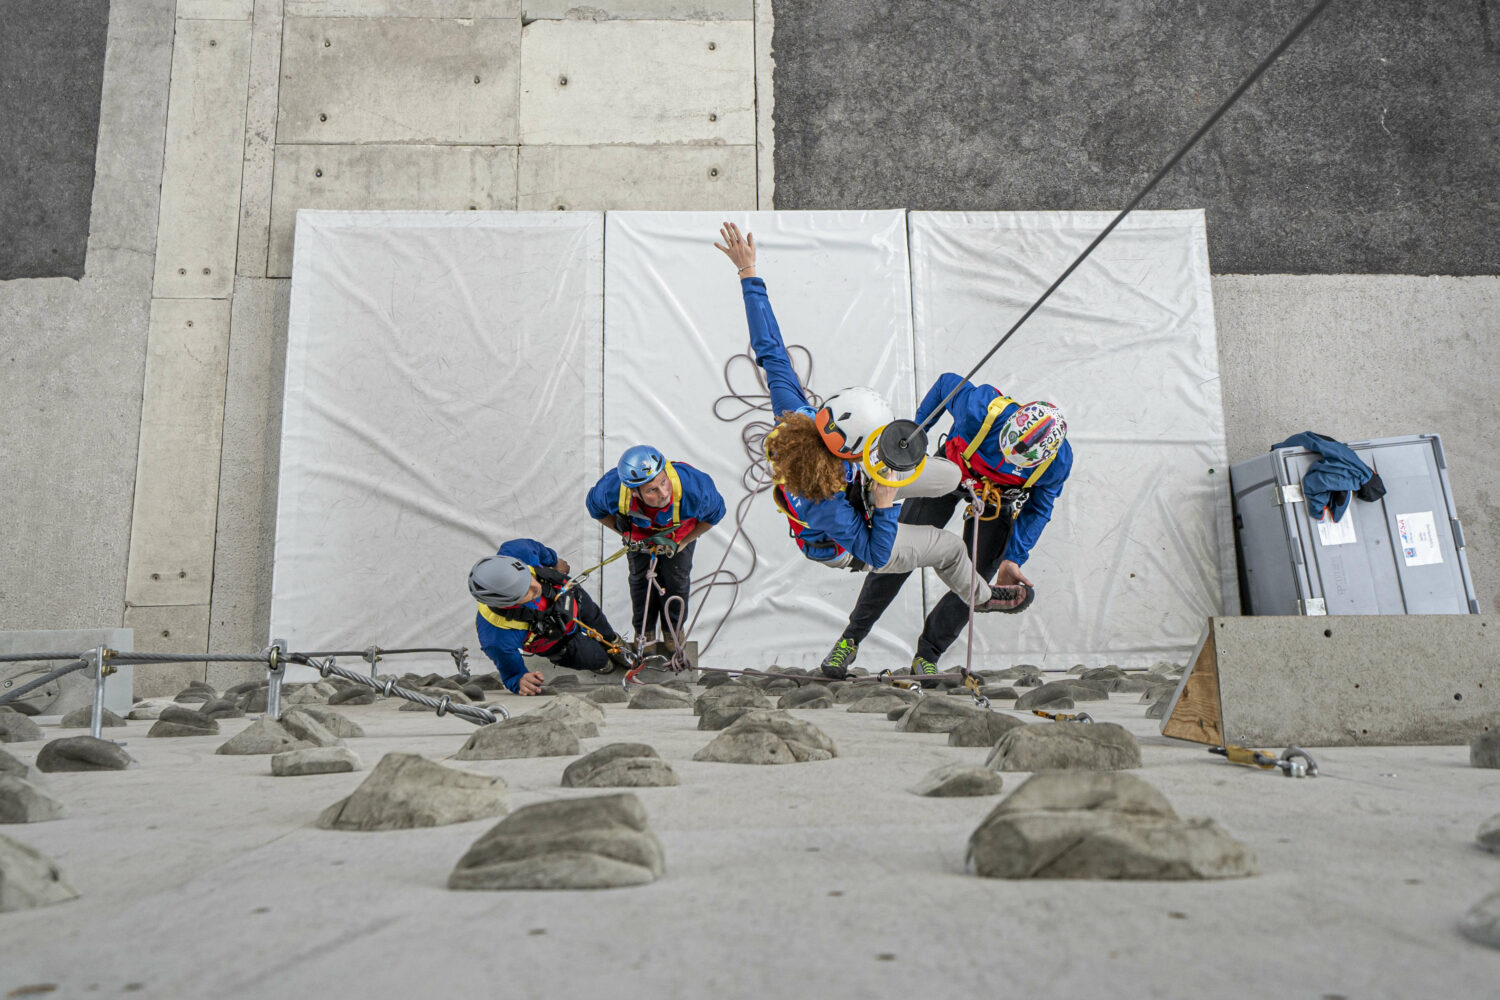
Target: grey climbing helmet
500,581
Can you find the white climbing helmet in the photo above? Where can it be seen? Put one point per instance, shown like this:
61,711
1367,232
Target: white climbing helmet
850,418
1032,434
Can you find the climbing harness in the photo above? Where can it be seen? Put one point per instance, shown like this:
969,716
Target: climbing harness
1294,761
1064,716
908,439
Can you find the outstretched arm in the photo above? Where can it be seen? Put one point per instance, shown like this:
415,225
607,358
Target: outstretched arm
765,335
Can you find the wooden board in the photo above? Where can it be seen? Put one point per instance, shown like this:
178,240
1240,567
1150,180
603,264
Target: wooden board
1195,712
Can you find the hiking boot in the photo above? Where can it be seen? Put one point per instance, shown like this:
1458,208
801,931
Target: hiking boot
836,663
1008,600
923,667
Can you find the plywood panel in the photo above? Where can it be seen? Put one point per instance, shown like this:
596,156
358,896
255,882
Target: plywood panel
638,82
177,469
200,186
402,79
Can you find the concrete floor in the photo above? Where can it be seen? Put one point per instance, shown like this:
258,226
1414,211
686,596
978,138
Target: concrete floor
202,876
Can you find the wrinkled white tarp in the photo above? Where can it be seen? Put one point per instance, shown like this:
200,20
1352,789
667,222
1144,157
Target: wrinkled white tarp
442,386
455,379
674,317
1139,551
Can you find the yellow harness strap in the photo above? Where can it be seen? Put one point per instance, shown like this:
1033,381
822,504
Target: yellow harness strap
676,482
991,414
498,620
782,506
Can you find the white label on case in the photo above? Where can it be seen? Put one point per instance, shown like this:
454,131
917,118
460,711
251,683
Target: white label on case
1331,532
1419,539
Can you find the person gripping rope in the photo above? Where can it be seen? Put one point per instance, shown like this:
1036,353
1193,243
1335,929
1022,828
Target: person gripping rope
660,509
1017,457
526,606
837,518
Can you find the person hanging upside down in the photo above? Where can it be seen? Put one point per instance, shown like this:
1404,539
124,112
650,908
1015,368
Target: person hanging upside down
1017,457
839,518
524,608
660,509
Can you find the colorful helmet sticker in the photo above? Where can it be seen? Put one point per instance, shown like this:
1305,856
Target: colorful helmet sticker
1032,434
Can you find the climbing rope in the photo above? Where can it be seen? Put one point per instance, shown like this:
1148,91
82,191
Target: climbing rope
915,434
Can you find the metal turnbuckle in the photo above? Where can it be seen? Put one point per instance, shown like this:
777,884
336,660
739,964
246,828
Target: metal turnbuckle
1294,761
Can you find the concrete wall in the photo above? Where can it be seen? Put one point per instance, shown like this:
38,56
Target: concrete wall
143,411
1362,356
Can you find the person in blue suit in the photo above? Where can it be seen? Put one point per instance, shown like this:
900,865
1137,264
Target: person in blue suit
1016,457
527,605
659,509
838,517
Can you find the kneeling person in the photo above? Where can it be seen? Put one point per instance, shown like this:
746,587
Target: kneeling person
526,606
660,509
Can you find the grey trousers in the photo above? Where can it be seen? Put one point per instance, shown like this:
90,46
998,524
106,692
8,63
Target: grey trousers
921,546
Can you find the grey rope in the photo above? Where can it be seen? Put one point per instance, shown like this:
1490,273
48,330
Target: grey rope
42,681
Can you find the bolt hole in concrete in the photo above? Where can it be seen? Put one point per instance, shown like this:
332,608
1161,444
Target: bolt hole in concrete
213,42
713,117
326,43
156,576
182,270
166,633
562,81
317,173
1177,915
1457,696
189,322
207,270
713,171
1328,633
712,46
182,573
476,79
537,931
885,956
322,118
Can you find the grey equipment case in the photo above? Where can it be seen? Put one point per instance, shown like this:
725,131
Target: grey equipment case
1402,554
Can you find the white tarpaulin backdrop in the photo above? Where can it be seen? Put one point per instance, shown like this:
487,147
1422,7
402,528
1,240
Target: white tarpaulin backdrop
443,377
457,379
1133,561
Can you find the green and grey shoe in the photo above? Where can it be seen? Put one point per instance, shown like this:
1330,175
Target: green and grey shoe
836,663
924,667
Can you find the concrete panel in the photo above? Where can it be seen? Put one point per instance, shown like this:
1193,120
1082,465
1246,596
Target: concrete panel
638,82
645,10
215,10
70,368
260,140
765,106
177,473
1358,680
636,177
385,177
75,690
200,184
176,629
399,80
246,537
403,8
1358,357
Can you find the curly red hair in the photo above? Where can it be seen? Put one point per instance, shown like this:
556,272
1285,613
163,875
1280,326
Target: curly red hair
801,461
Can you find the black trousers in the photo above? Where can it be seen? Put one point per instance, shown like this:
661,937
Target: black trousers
581,651
674,575
949,616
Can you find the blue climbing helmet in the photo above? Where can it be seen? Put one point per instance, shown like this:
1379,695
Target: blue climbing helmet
639,465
